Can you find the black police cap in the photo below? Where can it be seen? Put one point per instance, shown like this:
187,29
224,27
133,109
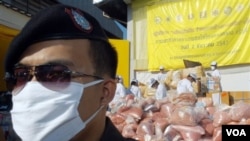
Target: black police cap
55,22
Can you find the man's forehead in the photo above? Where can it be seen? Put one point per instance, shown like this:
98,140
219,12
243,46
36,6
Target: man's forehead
72,44
56,51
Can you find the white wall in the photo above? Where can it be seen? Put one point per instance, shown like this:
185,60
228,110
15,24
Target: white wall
236,78
11,18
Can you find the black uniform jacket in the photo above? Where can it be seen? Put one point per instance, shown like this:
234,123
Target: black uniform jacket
111,133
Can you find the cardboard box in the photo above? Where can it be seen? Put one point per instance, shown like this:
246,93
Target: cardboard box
224,96
236,96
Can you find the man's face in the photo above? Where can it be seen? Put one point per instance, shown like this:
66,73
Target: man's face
191,79
74,55
213,67
155,85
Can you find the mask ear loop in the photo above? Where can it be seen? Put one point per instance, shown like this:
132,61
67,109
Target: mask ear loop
93,116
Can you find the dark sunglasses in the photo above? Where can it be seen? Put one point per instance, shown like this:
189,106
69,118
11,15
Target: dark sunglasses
50,73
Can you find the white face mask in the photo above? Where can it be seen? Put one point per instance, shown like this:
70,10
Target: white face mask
41,114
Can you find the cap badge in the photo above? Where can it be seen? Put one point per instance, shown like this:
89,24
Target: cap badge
80,21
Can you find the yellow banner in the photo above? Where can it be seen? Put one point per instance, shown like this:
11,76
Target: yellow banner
198,30
6,35
122,48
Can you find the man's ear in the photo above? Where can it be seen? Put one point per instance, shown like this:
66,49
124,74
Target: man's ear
109,88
